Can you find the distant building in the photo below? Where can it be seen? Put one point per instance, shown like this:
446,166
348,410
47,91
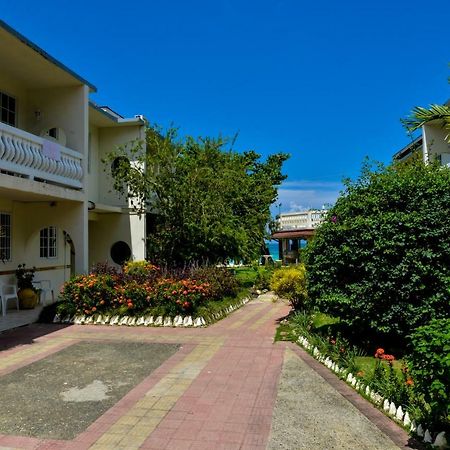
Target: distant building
293,228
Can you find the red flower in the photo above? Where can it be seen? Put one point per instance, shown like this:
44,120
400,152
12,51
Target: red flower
379,353
388,358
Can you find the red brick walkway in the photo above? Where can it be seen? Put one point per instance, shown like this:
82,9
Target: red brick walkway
217,392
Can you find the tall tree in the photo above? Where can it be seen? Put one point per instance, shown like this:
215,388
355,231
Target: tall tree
208,201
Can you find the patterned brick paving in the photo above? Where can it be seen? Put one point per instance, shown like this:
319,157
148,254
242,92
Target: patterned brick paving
217,392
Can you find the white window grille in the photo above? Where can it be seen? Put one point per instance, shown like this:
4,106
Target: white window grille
48,242
7,109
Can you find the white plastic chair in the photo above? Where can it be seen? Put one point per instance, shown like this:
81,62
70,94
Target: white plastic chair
8,292
44,286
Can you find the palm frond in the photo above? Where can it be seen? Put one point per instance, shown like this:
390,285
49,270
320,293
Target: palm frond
420,116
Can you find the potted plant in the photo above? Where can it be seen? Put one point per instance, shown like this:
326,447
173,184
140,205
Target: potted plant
27,293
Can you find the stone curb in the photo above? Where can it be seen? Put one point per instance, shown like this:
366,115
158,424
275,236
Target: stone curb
150,321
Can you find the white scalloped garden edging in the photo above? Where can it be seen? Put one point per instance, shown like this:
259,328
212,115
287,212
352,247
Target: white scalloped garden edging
148,321
389,407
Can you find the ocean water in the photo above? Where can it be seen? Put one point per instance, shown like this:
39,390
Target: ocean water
273,249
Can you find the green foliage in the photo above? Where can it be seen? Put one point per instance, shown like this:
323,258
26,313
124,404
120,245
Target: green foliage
90,293
141,271
390,382
421,116
221,282
245,276
381,261
209,202
25,277
429,363
263,277
290,283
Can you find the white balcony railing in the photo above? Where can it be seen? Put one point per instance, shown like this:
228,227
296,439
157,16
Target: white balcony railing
303,219
25,154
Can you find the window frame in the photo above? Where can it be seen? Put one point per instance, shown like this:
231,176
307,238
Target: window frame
48,242
9,111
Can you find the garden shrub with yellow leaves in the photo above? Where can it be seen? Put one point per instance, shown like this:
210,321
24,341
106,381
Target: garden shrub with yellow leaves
290,283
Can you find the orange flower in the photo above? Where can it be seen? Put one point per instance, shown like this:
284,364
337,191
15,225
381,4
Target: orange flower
379,353
409,382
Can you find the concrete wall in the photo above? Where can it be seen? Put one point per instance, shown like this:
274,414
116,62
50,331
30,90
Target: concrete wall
63,108
109,139
13,88
27,219
434,142
95,171
106,229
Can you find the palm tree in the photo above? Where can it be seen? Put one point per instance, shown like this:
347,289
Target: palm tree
421,116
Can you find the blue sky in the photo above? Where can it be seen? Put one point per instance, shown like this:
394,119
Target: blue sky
325,81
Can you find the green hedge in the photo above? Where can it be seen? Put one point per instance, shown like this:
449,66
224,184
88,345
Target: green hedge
381,260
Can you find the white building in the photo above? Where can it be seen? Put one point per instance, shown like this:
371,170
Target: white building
58,211
432,144
302,219
293,228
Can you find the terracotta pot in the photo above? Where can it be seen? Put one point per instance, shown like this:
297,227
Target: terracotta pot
28,298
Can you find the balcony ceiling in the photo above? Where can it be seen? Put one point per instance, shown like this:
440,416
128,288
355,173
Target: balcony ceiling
31,66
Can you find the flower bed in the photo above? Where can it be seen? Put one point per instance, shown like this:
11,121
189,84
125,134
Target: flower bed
142,291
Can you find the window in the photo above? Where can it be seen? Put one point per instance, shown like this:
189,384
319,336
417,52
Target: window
120,252
7,109
5,237
48,243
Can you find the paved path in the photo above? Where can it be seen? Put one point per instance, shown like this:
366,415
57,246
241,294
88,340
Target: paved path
217,392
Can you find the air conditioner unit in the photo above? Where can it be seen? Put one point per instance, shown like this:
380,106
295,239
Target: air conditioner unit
55,134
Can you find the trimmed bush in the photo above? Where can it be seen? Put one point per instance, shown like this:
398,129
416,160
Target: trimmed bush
290,283
381,260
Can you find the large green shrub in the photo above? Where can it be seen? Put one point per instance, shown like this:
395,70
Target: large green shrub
381,260
290,283
429,363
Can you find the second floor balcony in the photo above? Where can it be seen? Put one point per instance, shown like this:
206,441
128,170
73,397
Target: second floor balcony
34,157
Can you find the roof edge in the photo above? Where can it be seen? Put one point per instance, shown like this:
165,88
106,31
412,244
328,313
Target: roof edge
138,120
45,55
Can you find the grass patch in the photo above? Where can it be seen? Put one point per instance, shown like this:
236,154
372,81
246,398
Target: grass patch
246,276
285,332
321,320
367,364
